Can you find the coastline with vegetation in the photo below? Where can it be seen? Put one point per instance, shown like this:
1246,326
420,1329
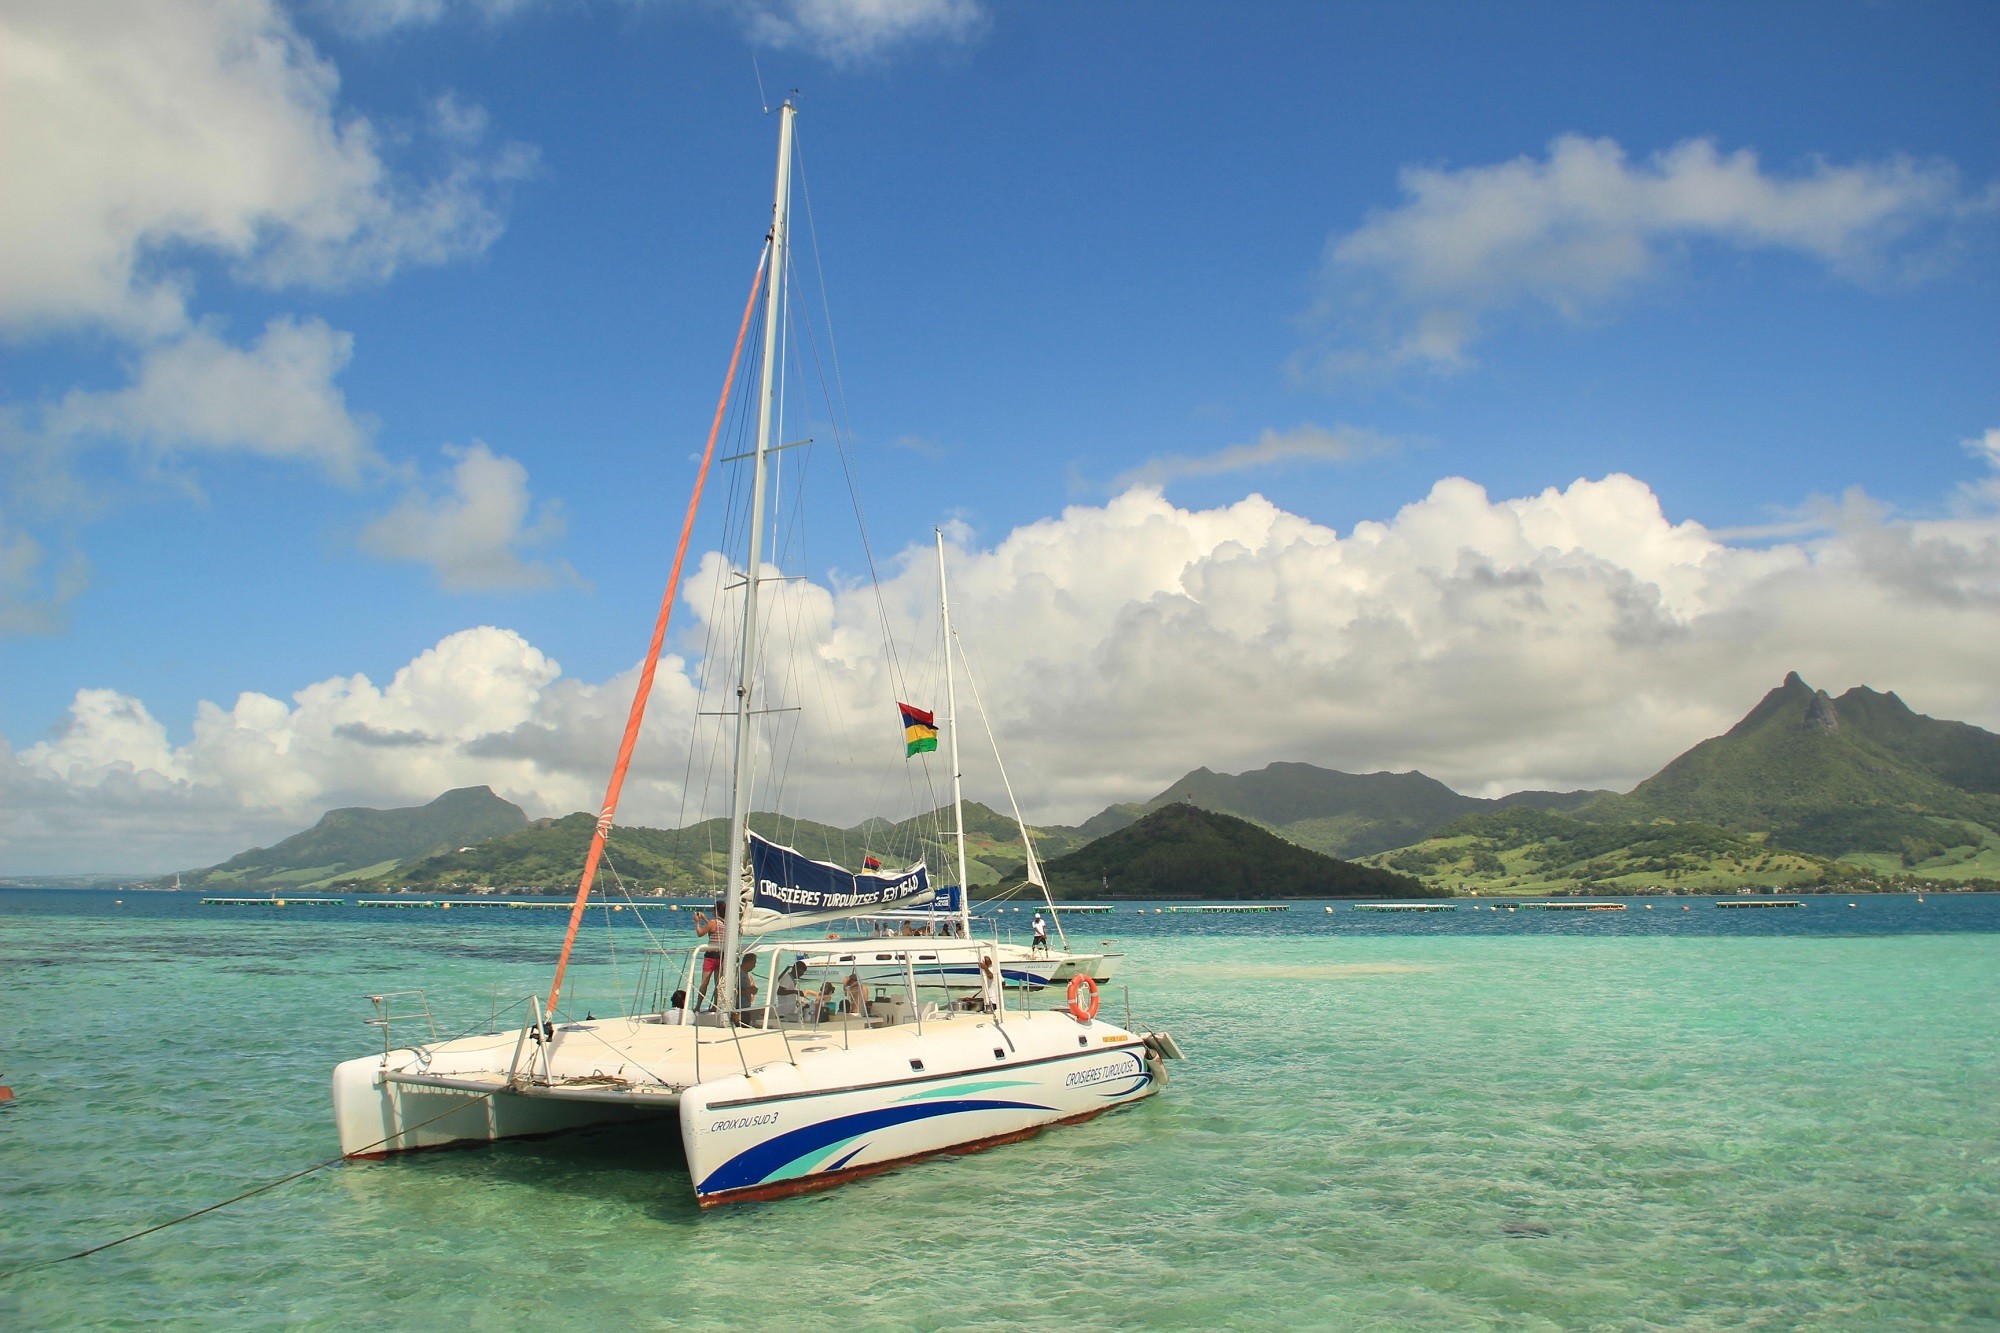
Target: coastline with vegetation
1806,794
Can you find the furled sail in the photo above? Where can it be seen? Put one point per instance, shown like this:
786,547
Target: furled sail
790,889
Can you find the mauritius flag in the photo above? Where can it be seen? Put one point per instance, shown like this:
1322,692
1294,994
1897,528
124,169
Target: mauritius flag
919,730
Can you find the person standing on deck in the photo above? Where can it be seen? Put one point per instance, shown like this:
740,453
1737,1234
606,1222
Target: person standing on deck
989,985
711,957
1041,933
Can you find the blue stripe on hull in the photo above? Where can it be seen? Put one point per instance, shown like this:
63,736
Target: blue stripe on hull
768,1159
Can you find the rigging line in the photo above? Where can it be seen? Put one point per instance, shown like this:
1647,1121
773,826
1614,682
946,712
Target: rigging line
836,397
610,938
832,698
899,678
643,694
246,1194
1027,841
708,649
840,431
797,612
637,915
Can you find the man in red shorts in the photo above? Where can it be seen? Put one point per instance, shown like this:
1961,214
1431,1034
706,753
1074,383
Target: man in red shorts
711,957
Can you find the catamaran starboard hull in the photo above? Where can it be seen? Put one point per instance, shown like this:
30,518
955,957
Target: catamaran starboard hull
838,1114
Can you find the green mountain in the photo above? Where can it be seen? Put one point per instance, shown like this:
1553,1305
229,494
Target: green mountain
362,844
1524,850
1803,779
1806,789
1860,777
1339,814
549,854
1184,851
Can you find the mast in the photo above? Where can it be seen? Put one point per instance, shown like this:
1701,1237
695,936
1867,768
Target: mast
951,725
746,669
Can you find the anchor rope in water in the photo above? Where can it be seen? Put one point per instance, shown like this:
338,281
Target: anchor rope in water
239,1198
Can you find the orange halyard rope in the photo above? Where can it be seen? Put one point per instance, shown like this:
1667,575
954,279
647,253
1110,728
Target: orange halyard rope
645,690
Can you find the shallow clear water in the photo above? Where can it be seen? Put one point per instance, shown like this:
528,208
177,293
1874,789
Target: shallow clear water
1648,1118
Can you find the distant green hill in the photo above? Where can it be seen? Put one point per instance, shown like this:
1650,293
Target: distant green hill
549,854
1524,850
1339,814
1803,779
1861,777
1805,789
363,844
1184,851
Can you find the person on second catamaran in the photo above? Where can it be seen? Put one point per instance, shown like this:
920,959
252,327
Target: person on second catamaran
711,957
1041,933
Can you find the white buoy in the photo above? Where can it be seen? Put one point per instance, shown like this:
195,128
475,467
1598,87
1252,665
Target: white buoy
1329,911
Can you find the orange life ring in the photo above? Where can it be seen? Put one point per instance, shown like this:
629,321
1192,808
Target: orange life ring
1082,985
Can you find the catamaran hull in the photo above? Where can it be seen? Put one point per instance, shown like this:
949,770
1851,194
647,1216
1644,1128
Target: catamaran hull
1018,968
789,1128
378,1115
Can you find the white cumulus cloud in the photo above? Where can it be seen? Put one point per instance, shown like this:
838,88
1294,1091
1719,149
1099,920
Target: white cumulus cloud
1577,229
136,132
373,18
1577,637
1305,444
851,31
472,527
276,398
147,149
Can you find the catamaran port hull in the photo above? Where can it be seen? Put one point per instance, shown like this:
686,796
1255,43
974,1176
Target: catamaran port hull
835,1114
379,1113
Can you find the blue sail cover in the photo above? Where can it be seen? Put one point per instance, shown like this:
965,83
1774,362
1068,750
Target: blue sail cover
944,900
790,889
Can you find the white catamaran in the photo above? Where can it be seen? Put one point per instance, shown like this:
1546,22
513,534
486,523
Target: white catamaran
822,1058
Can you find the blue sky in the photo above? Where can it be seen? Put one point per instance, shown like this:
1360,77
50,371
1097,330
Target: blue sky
1329,255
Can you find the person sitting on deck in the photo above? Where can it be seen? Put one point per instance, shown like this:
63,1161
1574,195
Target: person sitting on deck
711,957
791,1006
677,1012
857,995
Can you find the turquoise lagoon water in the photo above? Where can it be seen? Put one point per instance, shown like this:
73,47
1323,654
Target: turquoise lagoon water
1644,1119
